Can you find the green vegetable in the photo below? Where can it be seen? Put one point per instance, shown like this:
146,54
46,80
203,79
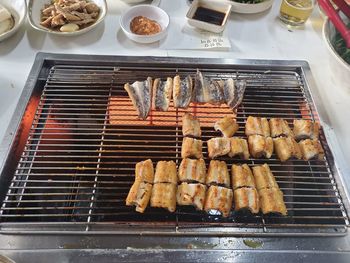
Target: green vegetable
340,47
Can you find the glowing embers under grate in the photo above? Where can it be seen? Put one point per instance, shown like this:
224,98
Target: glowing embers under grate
78,163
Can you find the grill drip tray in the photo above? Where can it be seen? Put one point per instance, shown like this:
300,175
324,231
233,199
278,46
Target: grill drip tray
72,159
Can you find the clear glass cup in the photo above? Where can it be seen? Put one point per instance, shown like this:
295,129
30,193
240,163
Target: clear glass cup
296,12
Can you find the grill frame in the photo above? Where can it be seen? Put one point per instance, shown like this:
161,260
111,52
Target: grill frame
38,76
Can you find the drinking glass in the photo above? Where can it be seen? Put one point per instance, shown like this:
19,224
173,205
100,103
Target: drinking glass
296,12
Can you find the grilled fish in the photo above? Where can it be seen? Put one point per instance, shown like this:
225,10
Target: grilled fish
286,148
260,146
144,171
192,170
305,129
264,177
190,126
191,194
162,91
218,147
164,196
279,127
233,92
139,195
191,148
165,172
311,149
140,93
246,198
182,91
239,147
242,176
218,174
220,199
271,201
207,91
227,125
257,126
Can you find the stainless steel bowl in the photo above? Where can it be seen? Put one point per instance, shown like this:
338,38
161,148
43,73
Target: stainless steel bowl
339,68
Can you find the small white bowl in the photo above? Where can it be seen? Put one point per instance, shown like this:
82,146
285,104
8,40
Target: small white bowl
18,9
243,8
151,12
34,15
222,7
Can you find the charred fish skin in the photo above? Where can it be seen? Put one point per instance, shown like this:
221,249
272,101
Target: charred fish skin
140,93
234,92
182,91
162,92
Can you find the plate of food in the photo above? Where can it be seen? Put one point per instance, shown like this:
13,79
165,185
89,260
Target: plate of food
66,17
12,16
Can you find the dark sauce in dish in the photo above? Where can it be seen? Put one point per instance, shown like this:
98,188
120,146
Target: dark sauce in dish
209,15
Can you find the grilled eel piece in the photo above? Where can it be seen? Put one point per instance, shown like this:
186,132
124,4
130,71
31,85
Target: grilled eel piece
242,176
191,148
271,201
218,147
257,126
164,196
239,147
220,199
218,174
140,93
286,148
246,198
227,125
305,129
191,125
279,127
182,91
165,172
191,194
260,146
192,170
162,92
264,177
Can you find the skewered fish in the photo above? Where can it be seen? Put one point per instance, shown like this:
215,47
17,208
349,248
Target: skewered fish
227,125
260,146
164,196
233,92
220,199
191,194
144,171
286,148
257,126
191,148
218,147
279,127
305,129
218,174
271,201
182,91
165,172
140,93
264,177
139,195
311,149
242,176
162,91
190,126
206,90
192,170
239,147
246,198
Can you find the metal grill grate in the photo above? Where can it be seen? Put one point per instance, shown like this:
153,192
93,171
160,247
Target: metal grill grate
78,163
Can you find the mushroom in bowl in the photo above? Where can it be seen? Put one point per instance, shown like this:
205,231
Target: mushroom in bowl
12,16
145,23
66,17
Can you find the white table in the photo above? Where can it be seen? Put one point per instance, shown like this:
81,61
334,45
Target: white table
259,36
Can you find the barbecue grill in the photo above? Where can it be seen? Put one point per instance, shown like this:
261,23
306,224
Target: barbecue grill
71,148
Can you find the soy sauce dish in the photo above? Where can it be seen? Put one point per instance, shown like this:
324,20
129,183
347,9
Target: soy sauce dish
209,15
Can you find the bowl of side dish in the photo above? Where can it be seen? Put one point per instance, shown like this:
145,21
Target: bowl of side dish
12,17
250,6
66,18
144,23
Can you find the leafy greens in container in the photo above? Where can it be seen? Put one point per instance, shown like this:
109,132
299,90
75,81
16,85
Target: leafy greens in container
340,47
